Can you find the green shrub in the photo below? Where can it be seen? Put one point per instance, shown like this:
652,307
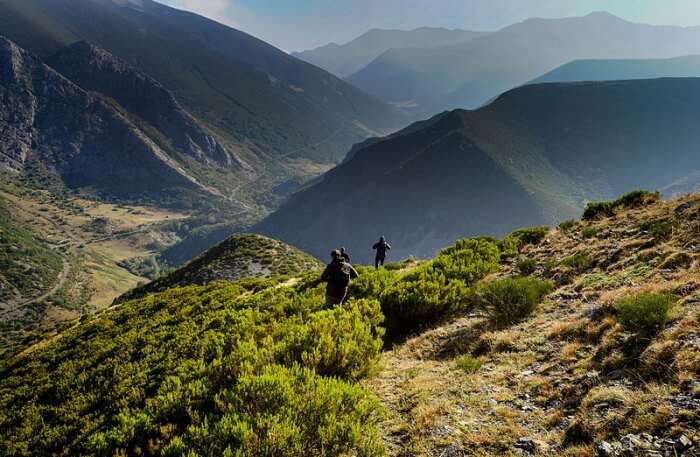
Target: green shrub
567,226
424,297
579,262
468,364
226,369
345,341
468,260
371,282
509,301
526,266
644,314
438,289
517,239
595,210
589,232
660,230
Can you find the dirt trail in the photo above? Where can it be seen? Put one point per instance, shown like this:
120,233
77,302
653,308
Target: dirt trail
62,278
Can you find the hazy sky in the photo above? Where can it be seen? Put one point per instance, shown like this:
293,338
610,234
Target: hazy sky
302,24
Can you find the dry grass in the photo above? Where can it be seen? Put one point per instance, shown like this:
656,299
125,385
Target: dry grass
554,375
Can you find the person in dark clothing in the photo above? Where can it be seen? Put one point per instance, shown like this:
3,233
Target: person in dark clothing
344,255
381,247
338,275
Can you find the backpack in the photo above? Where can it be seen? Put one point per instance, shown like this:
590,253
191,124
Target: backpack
340,275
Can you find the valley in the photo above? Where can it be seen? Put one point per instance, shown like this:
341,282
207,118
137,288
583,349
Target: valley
88,241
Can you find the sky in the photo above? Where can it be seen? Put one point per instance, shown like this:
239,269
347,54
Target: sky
295,25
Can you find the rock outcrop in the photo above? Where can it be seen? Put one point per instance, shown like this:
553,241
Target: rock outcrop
78,136
97,70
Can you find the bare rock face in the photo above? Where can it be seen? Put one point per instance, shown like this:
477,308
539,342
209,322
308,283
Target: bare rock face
97,70
77,135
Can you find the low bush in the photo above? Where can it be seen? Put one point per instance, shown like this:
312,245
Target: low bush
424,297
589,232
435,290
526,266
225,369
371,283
511,245
509,301
596,210
567,226
644,314
660,230
468,364
531,235
579,262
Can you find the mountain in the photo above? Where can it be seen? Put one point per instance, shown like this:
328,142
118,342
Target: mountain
238,257
621,69
346,59
243,101
586,341
50,121
533,156
466,75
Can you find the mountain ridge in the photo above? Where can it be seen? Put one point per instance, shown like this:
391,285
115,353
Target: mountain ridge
550,148
347,58
467,75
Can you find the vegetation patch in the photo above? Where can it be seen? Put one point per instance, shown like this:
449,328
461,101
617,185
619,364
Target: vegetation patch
645,313
438,289
597,210
468,364
201,371
509,301
526,266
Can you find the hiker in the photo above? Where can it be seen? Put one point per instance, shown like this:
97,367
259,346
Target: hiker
381,247
337,274
344,255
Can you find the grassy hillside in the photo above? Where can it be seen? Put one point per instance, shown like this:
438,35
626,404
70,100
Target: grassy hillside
63,257
237,257
28,265
561,342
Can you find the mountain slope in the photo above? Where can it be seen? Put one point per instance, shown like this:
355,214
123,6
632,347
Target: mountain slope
614,70
237,257
531,157
48,120
227,368
279,114
28,266
96,70
466,75
346,59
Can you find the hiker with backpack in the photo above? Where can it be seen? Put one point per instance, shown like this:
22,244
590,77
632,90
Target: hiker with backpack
381,247
338,275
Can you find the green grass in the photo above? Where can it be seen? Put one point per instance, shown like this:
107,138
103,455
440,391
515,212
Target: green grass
589,232
468,364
